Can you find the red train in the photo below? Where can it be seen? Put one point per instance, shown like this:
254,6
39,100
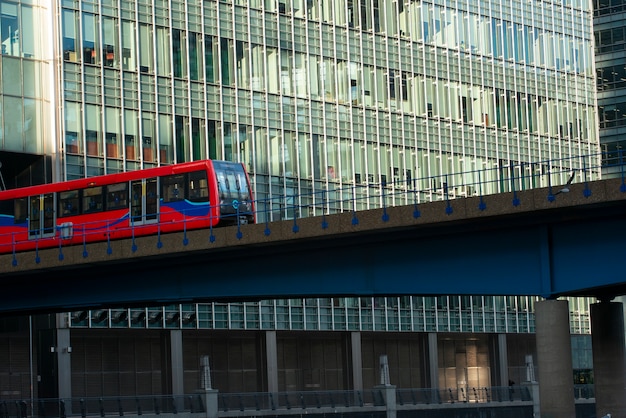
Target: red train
165,199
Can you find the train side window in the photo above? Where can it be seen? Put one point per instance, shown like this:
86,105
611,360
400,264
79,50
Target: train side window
68,203
92,200
7,208
21,210
117,196
173,188
198,187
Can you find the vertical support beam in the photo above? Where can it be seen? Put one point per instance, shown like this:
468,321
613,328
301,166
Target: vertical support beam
389,395
609,368
64,359
554,359
210,400
176,353
271,359
357,361
503,361
433,360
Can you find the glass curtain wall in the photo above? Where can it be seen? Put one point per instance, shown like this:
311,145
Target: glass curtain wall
329,101
24,87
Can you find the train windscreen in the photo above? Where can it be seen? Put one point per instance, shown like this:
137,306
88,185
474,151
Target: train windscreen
234,191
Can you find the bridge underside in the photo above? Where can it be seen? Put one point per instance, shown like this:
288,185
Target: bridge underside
572,246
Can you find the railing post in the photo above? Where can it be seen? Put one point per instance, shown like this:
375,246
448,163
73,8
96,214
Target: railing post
209,398
533,388
389,396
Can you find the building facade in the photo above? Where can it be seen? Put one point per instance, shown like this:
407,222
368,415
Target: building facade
610,36
281,345
312,96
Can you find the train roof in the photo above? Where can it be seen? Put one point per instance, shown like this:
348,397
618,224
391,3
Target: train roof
104,179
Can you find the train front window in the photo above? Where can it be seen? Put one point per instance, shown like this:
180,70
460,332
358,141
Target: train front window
68,203
198,187
173,188
232,181
92,200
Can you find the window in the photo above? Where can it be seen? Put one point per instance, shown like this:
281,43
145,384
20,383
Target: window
198,187
92,200
68,203
117,196
7,207
21,210
173,188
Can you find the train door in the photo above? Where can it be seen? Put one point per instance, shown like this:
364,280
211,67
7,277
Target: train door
42,219
144,204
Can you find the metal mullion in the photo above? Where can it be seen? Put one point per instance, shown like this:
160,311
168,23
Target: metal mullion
528,134
296,138
121,81
203,80
399,106
425,117
102,101
266,142
535,81
471,306
237,87
250,106
319,314
321,103
220,126
83,130
411,314
466,127
281,94
365,168
188,81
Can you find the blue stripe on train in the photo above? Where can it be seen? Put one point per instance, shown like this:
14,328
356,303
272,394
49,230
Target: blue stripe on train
194,209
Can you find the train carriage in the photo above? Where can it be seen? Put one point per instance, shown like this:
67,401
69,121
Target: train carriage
165,199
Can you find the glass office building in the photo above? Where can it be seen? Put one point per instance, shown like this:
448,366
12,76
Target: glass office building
312,95
610,35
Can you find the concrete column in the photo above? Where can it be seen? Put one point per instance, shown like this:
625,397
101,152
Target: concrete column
64,362
357,361
433,360
271,359
609,368
503,361
176,358
554,359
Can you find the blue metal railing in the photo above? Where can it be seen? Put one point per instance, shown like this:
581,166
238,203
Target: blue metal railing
328,197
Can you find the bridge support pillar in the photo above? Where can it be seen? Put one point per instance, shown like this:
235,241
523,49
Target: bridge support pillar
609,368
554,358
